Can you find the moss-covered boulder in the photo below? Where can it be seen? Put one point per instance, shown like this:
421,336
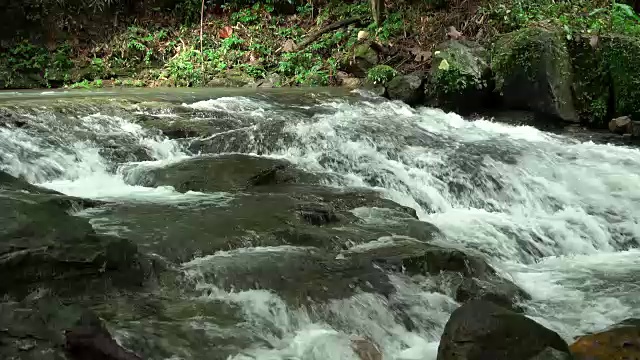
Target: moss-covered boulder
591,82
622,55
407,88
460,76
533,72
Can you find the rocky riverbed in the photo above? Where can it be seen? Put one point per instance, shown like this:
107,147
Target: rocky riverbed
307,225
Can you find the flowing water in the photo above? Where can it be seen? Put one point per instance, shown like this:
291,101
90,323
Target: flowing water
559,216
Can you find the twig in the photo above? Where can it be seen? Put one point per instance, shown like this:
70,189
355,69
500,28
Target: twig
334,26
201,47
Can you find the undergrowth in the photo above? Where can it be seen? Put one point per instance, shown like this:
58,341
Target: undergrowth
245,41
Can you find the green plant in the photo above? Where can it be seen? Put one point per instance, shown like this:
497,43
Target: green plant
381,74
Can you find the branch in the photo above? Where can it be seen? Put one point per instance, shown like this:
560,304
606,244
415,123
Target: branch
334,26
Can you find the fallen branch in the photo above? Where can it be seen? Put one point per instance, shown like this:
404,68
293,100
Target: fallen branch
334,26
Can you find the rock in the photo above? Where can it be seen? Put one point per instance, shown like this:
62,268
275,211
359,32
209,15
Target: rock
271,81
364,58
300,275
474,277
365,349
622,54
635,130
352,82
620,341
533,72
591,82
497,290
621,125
231,78
460,77
41,246
230,172
90,339
407,88
482,330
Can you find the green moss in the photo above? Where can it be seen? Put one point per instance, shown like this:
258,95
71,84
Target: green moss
533,71
622,54
591,81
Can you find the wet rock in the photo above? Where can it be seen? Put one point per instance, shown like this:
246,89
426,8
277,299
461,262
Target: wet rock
459,79
497,290
272,80
620,341
470,276
90,339
482,330
533,72
293,215
621,125
231,78
230,172
42,246
407,88
365,349
300,275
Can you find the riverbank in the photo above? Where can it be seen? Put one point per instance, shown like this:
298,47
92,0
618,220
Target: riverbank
537,56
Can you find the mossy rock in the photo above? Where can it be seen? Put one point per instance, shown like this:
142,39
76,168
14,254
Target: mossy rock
622,54
533,72
591,83
363,58
460,75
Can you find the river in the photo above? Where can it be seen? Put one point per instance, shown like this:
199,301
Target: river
557,215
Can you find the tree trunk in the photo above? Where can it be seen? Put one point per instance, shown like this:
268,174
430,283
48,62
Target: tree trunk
377,10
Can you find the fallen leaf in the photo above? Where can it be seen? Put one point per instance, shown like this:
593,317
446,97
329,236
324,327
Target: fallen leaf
225,32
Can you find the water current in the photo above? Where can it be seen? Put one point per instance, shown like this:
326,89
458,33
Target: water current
559,216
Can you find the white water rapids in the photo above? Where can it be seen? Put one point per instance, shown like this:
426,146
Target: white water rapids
558,216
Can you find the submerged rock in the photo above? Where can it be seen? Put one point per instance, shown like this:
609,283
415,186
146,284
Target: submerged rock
620,341
481,330
533,72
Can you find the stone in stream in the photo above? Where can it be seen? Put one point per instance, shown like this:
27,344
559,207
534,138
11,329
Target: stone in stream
300,275
230,172
407,88
481,330
41,245
620,341
469,276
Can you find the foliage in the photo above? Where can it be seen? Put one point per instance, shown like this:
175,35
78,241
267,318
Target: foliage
381,74
579,16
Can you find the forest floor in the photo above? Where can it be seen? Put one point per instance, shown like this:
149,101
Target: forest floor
246,45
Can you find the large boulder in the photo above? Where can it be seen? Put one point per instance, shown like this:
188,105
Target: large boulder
481,330
533,72
622,55
593,95
460,78
620,341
